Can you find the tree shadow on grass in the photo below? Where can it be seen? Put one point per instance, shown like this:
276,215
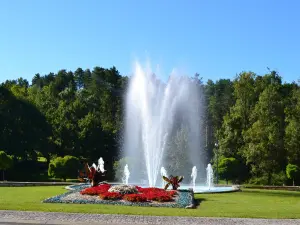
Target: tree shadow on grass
197,201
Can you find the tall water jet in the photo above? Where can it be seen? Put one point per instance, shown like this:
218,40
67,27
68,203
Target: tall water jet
194,176
209,176
164,173
163,118
126,174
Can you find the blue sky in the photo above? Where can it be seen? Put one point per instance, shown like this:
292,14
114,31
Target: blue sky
217,39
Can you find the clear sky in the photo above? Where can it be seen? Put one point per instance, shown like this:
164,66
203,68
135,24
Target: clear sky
217,39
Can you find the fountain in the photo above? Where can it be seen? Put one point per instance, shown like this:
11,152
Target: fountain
126,175
164,125
210,176
154,113
100,167
194,176
163,172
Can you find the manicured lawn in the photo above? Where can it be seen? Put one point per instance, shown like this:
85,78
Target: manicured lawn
247,203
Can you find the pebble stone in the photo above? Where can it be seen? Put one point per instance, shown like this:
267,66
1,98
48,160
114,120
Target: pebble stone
82,218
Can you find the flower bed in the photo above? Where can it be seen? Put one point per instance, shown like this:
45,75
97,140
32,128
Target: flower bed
154,197
103,188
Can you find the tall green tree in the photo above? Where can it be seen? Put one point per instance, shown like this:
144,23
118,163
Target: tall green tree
292,131
264,148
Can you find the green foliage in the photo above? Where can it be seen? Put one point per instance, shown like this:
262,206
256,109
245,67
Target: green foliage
264,150
229,169
64,167
6,161
293,172
254,118
292,131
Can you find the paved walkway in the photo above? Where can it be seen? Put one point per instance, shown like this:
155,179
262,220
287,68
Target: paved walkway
22,217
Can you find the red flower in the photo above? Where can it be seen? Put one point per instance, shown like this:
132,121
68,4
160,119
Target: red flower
96,190
91,173
135,198
111,196
157,194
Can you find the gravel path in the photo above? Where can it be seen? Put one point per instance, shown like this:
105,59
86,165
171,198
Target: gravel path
81,218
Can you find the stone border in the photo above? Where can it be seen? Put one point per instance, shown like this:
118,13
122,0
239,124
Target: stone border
28,184
278,188
235,188
117,219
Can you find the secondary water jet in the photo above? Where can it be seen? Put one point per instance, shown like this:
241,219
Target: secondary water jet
126,174
194,176
164,173
210,176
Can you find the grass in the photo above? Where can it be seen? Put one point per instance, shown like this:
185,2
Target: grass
247,203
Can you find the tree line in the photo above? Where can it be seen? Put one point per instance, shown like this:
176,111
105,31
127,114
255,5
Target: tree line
251,124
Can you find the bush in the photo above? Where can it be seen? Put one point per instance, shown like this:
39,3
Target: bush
6,161
263,180
28,170
279,179
292,172
66,167
229,169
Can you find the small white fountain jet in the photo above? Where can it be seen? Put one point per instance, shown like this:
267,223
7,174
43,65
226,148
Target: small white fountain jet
126,175
194,176
209,176
100,167
163,172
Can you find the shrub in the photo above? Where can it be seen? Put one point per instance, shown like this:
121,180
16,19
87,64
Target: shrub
111,196
64,167
279,178
229,169
28,170
292,172
135,197
103,188
6,161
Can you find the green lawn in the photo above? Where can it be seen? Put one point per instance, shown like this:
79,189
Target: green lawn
247,203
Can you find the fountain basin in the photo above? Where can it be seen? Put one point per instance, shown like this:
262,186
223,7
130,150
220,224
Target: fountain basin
205,189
